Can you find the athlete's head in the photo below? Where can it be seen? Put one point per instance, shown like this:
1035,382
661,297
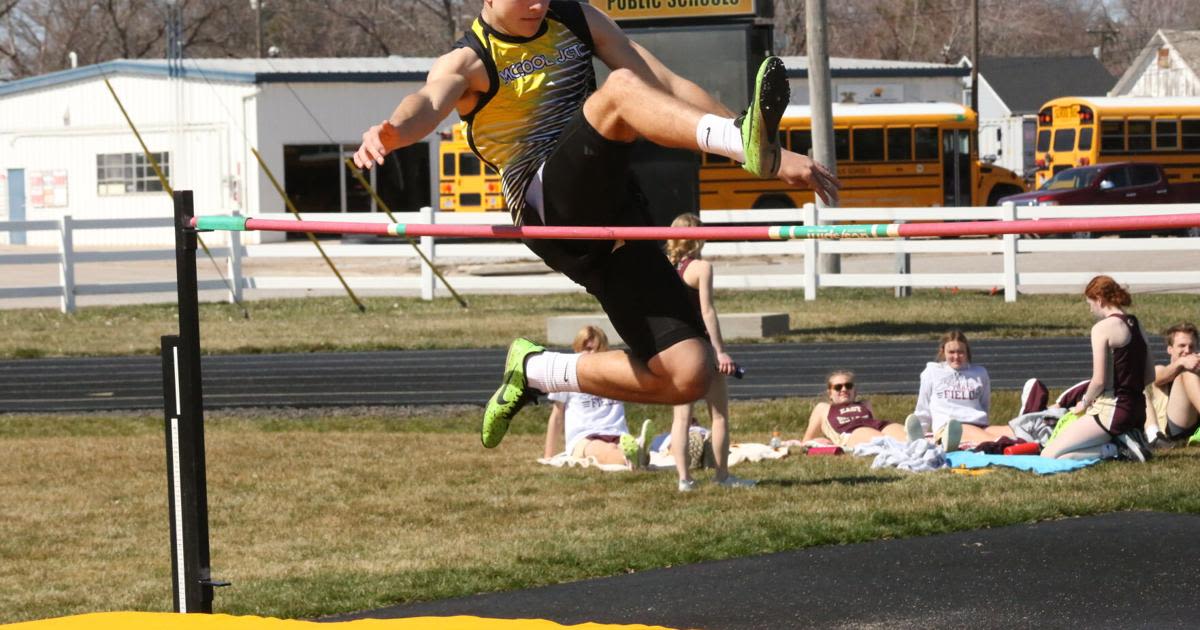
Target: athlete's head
521,18
839,386
954,349
679,248
590,339
1182,339
1104,292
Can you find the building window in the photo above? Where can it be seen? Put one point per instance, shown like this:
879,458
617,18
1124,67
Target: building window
126,173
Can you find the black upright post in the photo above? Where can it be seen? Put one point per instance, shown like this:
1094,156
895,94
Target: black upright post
191,574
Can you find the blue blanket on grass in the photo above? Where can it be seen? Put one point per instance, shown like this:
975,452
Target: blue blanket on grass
1035,463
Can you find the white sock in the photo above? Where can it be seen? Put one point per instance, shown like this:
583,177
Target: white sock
715,134
553,372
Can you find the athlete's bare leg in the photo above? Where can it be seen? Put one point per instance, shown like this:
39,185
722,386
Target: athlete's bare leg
627,108
677,375
1183,406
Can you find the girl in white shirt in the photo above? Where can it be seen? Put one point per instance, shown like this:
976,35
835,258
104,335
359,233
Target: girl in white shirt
954,398
593,426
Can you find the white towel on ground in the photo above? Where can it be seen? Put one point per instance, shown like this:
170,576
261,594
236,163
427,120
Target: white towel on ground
918,456
564,460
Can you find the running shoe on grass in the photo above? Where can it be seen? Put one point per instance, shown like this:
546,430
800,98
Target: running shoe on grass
513,394
760,122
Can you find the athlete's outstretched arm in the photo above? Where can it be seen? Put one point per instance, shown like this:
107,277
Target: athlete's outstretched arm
419,113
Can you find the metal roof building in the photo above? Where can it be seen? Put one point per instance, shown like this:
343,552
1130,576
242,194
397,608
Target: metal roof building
65,147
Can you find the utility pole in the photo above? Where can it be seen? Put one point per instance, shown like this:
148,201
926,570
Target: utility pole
975,57
821,103
258,25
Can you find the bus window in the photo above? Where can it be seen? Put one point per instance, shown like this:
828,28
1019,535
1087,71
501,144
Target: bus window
468,164
1085,139
802,140
841,144
899,144
1043,144
448,165
1139,135
1191,134
926,140
1064,140
868,145
1112,136
1166,135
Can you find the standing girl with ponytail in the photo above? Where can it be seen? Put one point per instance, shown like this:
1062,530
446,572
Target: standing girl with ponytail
697,275
1119,356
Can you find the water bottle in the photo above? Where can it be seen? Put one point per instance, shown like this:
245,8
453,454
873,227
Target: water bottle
775,441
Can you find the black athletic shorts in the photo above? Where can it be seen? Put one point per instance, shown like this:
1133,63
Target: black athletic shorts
587,181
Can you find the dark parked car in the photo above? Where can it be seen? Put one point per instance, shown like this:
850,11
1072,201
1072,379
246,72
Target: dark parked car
1110,184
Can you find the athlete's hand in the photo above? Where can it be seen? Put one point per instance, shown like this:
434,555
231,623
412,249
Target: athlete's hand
1190,362
377,142
797,170
725,364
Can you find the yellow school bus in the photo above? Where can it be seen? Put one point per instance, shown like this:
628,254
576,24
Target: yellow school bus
465,183
888,155
1080,131
893,155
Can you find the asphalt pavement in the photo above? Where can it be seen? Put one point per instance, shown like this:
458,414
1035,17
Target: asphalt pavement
426,377
1119,570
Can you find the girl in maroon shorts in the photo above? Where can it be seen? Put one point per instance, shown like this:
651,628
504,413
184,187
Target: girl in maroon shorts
1118,338
845,420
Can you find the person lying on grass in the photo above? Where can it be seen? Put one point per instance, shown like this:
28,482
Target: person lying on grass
842,419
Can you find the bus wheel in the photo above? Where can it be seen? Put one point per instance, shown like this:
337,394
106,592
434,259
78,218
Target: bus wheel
773,202
1002,190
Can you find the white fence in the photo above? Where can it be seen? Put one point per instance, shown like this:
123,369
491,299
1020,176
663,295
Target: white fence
806,253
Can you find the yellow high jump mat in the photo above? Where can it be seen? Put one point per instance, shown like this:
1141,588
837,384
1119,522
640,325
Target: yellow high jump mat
176,621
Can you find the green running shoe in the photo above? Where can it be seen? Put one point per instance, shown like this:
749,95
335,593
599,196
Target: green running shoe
760,122
629,446
513,394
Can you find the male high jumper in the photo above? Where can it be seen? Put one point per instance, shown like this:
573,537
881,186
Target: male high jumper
522,79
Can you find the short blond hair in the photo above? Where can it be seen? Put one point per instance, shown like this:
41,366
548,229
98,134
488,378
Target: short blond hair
680,248
588,333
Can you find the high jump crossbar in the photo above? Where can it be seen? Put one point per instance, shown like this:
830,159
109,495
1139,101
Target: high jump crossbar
711,233
183,406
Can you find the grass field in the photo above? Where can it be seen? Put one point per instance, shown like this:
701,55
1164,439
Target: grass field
319,512
316,512
493,320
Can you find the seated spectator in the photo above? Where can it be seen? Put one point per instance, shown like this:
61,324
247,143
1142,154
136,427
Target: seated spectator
845,420
1105,427
954,398
1173,399
593,426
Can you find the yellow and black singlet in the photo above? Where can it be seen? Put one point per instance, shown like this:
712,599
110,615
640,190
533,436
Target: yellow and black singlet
537,84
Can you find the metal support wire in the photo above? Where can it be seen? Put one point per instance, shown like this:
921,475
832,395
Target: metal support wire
162,178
